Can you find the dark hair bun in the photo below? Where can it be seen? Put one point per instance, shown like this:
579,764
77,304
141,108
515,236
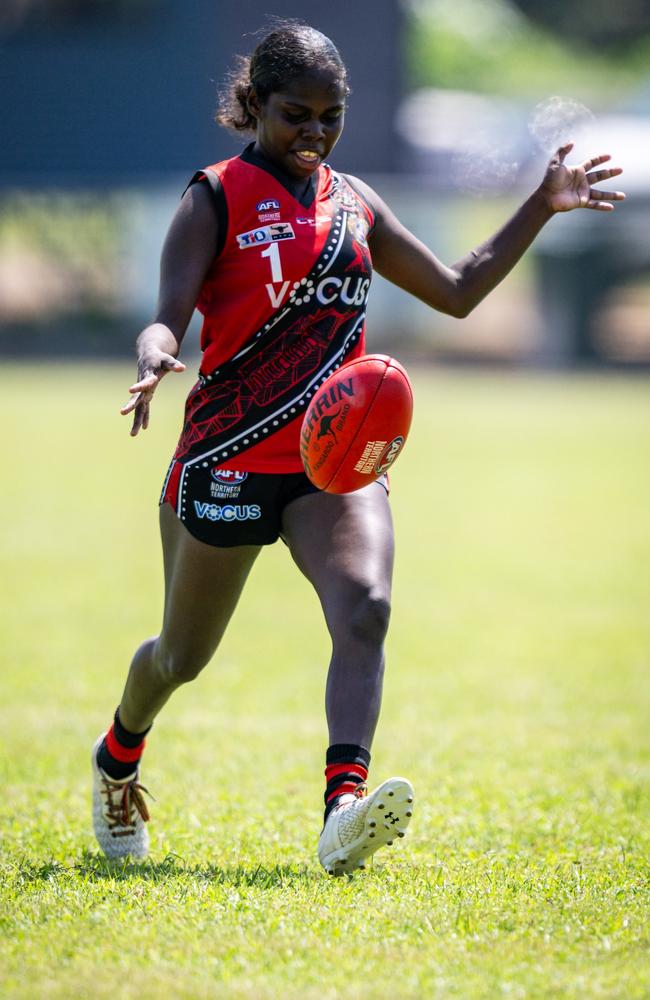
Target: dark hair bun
289,50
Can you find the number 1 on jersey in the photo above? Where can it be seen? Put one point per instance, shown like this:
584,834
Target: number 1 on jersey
273,253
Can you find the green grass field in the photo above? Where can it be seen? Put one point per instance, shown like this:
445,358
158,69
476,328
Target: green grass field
517,700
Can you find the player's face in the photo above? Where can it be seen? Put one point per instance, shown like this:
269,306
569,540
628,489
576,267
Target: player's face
298,126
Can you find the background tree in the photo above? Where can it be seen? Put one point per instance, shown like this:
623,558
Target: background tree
599,22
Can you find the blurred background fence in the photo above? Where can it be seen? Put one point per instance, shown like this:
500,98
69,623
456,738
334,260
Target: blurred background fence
455,107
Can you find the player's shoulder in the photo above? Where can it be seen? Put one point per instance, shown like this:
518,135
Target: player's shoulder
382,213
361,188
231,165
366,196
215,184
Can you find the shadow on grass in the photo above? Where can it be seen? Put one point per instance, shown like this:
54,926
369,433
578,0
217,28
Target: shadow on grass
94,867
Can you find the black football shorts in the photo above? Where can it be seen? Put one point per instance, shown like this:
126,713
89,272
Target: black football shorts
225,508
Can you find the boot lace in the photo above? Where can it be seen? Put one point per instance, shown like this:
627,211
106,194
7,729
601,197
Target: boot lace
122,802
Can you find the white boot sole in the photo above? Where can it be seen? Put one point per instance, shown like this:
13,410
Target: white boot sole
388,816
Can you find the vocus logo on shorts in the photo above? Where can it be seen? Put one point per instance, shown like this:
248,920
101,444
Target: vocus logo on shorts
227,512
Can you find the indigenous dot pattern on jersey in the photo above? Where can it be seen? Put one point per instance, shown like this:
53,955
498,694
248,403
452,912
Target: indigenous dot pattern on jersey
284,306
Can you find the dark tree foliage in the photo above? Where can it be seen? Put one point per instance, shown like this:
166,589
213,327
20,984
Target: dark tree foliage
605,23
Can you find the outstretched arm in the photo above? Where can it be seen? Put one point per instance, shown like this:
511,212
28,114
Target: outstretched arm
401,258
187,254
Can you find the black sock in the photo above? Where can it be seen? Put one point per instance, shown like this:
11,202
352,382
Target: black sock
346,768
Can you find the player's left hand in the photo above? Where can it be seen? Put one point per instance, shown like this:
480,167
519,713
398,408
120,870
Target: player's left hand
566,188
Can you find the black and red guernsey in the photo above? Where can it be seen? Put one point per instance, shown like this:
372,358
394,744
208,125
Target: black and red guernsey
284,305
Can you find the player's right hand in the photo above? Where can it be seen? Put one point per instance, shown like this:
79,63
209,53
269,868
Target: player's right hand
150,371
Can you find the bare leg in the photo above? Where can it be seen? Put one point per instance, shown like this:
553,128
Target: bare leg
344,546
202,587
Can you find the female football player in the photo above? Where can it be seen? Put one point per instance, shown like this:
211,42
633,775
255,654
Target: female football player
276,250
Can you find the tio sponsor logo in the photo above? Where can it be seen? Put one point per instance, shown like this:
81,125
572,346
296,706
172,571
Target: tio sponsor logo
266,234
227,512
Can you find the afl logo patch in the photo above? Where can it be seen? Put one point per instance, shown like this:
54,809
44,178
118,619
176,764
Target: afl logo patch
389,454
267,205
228,477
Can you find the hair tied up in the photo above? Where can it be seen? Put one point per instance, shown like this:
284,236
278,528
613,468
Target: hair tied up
290,50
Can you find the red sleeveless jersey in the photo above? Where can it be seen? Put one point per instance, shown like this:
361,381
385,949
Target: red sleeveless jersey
283,305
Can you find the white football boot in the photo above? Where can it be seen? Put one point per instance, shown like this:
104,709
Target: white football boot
119,812
358,826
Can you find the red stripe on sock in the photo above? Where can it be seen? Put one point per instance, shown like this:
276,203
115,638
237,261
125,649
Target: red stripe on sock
346,788
126,755
333,770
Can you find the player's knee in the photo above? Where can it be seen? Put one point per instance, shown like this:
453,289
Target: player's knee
179,666
369,619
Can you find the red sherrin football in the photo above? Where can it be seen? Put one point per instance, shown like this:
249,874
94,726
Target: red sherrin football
356,424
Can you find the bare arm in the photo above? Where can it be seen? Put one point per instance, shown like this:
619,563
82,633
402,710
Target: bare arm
401,258
187,254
